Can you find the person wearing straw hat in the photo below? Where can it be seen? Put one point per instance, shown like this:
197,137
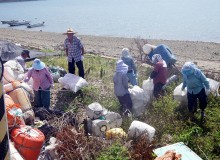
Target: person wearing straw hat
23,58
121,87
128,60
74,52
197,88
42,82
159,75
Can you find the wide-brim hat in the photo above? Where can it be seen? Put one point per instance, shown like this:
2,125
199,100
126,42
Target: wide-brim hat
70,31
26,52
38,64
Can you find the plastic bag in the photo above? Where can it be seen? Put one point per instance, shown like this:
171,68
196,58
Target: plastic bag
72,82
214,86
148,87
179,94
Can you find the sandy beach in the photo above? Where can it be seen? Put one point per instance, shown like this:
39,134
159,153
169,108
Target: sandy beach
205,54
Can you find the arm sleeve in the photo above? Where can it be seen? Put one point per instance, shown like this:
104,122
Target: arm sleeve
125,81
184,83
133,66
28,76
48,75
205,81
153,74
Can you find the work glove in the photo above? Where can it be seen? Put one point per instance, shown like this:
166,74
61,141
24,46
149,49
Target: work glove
207,91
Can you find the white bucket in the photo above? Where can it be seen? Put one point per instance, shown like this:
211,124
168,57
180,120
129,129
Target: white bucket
99,127
138,128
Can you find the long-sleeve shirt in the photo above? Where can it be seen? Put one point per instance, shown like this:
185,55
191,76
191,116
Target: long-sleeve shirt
195,83
120,84
130,63
41,78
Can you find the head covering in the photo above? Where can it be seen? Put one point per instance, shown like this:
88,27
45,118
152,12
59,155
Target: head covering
189,68
156,58
121,66
26,52
125,53
70,31
38,64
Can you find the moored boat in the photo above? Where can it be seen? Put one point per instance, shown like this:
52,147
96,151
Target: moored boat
35,25
6,22
19,23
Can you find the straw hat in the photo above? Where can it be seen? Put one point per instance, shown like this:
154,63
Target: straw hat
70,31
38,64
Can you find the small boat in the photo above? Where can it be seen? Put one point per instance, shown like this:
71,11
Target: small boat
19,23
35,25
6,22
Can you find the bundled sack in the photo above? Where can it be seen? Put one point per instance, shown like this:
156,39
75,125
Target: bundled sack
138,128
28,141
180,95
72,82
14,154
12,71
214,87
148,87
139,100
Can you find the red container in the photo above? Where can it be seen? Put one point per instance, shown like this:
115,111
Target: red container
28,141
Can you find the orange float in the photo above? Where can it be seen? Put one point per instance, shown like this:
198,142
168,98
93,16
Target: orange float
28,141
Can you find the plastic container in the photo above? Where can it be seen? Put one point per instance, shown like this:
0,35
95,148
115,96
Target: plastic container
165,53
114,119
138,128
99,127
28,141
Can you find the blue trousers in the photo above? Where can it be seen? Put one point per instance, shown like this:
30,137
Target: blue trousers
79,64
42,98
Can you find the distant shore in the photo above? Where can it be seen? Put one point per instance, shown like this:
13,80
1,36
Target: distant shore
205,54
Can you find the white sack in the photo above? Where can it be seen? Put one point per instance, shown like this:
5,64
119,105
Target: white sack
99,127
148,87
214,86
95,110
139,100
180,95
138,128
72,82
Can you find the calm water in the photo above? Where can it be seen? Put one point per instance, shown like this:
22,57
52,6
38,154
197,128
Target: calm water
158,19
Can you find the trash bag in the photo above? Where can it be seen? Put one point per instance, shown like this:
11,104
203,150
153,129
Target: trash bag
148,87
214,86
180,95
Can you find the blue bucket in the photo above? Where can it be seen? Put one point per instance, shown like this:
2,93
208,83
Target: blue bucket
165,53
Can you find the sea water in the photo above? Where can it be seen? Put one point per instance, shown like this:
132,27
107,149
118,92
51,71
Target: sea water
197,20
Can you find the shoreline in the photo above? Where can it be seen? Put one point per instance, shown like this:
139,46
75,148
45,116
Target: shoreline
205,54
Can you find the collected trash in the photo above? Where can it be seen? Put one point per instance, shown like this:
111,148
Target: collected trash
14,154
115,133
72,82
95,110
179,94
28,141
114,119
170,80
99,127
140,99
171,155
12,71
138,128
214,86
57,72
179,148
148,87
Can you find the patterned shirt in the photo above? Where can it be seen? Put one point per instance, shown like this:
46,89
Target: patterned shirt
74,49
